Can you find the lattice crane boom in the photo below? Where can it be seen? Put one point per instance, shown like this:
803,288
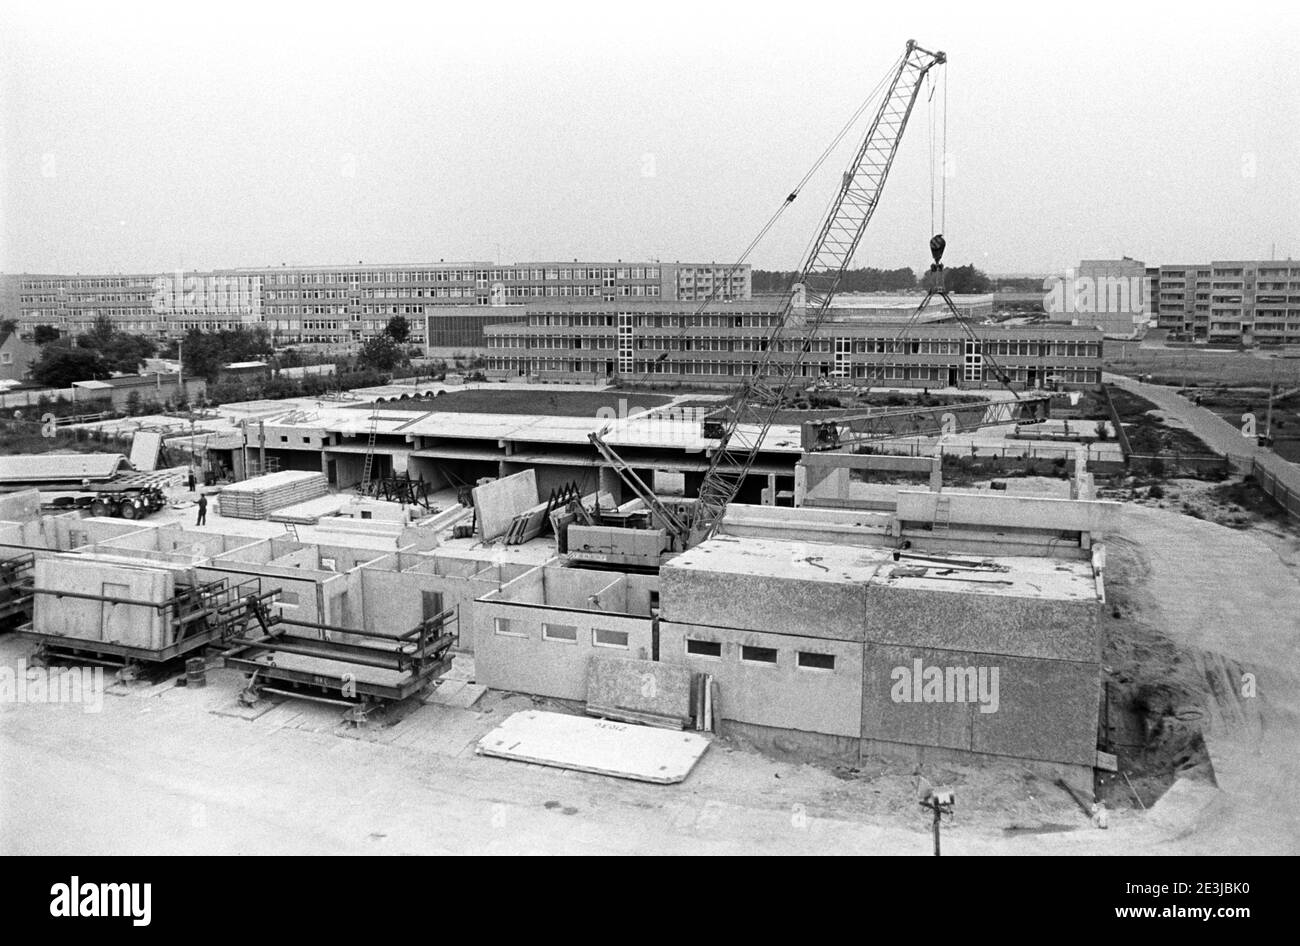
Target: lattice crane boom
762,393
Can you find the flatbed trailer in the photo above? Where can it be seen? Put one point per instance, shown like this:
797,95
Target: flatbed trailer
211,612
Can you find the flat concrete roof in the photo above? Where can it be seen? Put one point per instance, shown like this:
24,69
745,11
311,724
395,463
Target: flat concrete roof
1014,576
780,558
1023,577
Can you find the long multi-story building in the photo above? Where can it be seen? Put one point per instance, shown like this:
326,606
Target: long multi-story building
679,342
342,304
1235,302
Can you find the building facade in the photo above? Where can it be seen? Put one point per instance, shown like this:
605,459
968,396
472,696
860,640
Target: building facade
677,342
1241,302
343,304
1109,295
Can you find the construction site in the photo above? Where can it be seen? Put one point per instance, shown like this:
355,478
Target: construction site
697,622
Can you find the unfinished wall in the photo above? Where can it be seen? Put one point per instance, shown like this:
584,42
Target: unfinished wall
302,593
21,506
537,633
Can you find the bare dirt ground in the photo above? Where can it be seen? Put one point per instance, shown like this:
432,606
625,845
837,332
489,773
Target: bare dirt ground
168,769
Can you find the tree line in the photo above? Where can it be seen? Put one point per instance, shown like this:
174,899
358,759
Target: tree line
957,279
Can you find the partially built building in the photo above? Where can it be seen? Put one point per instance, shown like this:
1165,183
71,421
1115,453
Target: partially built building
928,623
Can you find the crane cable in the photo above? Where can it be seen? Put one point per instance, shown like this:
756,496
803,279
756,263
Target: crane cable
943,192
785,205
939,132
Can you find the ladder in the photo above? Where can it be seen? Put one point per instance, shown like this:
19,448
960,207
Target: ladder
368,467
942,515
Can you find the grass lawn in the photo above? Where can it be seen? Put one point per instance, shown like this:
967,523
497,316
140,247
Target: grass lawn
1201,368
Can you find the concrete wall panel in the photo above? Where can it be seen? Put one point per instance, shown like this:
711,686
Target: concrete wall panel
988,623
1044,709
782,695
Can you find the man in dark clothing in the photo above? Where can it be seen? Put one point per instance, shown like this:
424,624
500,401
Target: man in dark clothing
203,510
191,479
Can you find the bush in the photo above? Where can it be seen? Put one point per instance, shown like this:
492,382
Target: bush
1156,492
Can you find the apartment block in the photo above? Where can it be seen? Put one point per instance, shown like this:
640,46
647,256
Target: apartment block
1232,302
344,304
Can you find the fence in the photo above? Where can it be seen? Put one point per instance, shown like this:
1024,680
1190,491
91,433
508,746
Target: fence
1195,465
31,398
1120,434
1279,480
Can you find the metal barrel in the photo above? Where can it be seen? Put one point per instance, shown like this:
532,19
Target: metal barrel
196,672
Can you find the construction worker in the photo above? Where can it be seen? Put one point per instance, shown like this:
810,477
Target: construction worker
191,479
203,510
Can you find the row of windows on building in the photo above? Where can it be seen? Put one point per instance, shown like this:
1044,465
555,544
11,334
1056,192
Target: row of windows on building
939,374
596,320
713,650
104,282
464,275
562,633
821,345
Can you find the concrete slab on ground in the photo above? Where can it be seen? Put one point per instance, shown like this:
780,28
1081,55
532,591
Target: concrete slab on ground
598,746
459,693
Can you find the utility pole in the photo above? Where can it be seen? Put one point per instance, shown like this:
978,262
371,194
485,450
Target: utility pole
940,801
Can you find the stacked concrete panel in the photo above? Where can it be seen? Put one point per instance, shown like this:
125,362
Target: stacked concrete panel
258,497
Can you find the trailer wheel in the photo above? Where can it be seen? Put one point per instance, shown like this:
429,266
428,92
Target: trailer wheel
130,510
100,508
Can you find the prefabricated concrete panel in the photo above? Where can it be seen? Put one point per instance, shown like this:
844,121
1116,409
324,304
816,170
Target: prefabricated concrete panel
993,511
20,506
639,686
500,501
129,624
600,746
784,605
986,623
145,446
517,655
1043,710
783,695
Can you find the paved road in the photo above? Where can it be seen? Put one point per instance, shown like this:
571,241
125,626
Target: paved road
1217,433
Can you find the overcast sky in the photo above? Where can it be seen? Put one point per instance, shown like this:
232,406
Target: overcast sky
141,138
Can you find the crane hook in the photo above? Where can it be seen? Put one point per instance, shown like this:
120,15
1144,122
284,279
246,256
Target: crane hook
937,246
